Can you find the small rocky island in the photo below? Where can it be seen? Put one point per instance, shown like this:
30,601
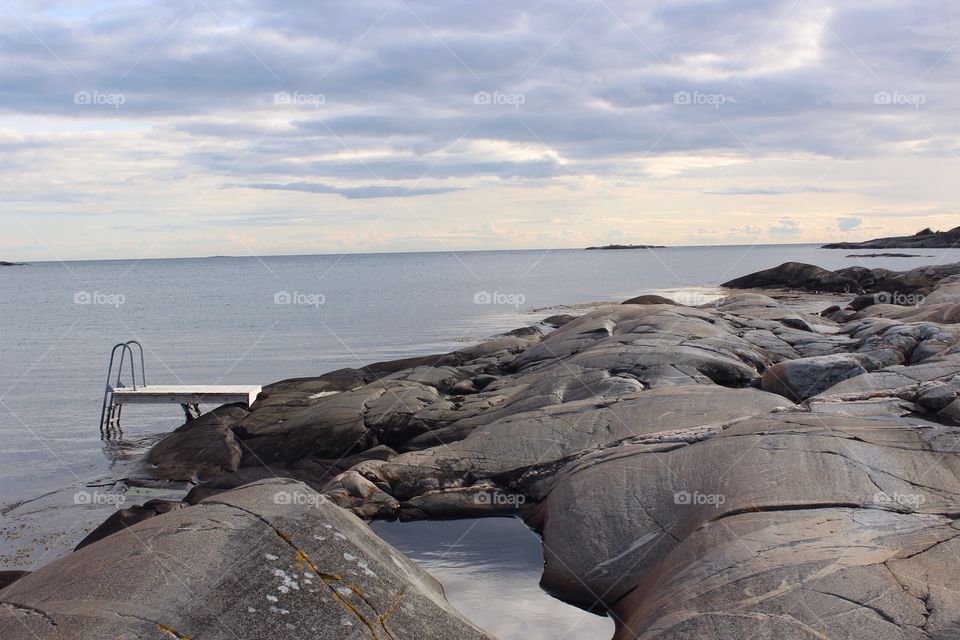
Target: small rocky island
619,247
742,469
924,239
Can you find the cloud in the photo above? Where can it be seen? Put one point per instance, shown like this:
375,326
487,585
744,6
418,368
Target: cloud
769,191
785,227
533,110
849,223
372,191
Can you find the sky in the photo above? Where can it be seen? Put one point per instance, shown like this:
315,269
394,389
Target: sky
210,127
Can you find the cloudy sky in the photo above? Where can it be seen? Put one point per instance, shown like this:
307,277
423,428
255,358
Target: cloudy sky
202,127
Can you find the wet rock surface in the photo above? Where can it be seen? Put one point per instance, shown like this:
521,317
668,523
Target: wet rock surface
741,469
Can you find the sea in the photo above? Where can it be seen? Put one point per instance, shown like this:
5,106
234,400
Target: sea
260,319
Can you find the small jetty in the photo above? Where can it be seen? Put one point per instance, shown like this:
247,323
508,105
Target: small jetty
117,393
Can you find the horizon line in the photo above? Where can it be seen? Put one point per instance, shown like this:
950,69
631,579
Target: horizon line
447,251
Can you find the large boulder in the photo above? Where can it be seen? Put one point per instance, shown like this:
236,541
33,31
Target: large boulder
790,525
200,447
272,559
806,377
797,275
904,288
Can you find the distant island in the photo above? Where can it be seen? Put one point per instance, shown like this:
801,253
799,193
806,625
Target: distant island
612,247
12,264
924,239
887,255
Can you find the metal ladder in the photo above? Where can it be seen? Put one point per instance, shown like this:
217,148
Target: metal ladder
110,412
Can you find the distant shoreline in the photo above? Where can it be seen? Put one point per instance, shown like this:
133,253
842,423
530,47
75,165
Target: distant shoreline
618,247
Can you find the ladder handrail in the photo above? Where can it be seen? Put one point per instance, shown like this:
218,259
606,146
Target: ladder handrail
143,371
126,349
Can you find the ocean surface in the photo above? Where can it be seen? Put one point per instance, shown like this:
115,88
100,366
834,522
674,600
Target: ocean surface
256,320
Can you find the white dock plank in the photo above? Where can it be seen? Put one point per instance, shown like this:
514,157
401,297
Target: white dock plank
186,394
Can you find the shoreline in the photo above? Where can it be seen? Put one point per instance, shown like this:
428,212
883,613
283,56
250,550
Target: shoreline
558,427
48,542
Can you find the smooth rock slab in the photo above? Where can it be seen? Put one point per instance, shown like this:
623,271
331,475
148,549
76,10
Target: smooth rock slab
270,560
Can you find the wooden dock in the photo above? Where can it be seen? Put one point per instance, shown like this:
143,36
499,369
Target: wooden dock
186,394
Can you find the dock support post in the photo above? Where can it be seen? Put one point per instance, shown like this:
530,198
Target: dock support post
191,411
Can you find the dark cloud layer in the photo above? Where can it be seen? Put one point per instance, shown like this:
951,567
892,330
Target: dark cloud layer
593,81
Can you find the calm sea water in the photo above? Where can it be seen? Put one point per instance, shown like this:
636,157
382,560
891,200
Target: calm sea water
258,320
485,563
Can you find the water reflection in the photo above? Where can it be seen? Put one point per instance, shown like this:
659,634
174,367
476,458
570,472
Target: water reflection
490,569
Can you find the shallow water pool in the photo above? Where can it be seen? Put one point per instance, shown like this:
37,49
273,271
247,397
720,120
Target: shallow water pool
490,570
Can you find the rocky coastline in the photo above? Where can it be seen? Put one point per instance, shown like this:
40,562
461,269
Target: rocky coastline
924,239
742,468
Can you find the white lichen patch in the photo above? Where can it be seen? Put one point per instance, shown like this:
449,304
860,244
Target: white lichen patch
273,599
346,621
366,568
287,583
270,556
349,557
343,591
